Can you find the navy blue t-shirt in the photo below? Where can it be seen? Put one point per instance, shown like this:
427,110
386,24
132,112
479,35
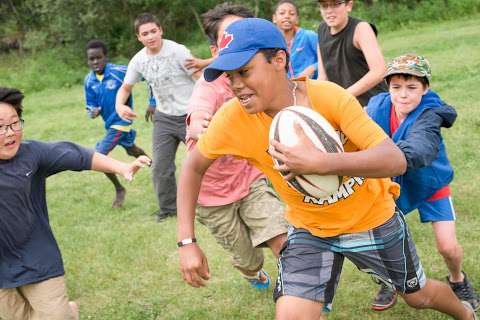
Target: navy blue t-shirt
28,250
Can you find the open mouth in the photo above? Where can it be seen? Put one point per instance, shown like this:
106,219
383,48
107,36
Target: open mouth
245,99
10,143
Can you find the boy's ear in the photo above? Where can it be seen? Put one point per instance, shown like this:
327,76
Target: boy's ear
280,59
213,50
426,88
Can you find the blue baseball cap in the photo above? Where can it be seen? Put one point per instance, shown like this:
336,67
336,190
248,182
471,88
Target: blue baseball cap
240,42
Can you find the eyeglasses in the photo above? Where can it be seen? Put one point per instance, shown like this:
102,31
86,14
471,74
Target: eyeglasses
15,126
333,5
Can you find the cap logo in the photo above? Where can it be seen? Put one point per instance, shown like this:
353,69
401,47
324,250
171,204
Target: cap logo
227,38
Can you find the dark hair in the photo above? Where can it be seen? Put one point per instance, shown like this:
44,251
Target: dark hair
213,17
405,76
13,97
144,18
279,3
270,53
97,44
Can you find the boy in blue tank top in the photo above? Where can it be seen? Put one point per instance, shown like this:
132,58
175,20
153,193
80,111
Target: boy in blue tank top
412,115
101,85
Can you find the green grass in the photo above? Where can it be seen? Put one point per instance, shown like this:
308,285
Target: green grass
122,264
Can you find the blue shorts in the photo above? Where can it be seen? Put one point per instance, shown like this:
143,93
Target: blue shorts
437,210
115,137
309,267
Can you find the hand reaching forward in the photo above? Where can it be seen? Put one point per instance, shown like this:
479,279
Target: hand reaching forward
194,265
132,168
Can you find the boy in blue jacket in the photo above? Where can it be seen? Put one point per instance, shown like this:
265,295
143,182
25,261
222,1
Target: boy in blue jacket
412,115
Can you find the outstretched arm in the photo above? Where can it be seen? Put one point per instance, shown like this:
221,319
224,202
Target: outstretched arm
103,163
193,263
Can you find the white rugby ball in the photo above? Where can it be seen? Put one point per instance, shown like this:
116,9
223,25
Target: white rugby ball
323,136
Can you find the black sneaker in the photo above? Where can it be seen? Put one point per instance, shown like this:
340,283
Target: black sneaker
386,298
164,215
465,292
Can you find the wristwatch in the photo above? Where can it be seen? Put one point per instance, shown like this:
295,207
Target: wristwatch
186,241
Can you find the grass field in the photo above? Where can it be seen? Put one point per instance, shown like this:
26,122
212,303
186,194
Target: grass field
122,264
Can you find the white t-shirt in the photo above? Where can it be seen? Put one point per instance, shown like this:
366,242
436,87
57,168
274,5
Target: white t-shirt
171,82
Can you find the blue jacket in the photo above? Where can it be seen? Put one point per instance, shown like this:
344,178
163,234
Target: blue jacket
303,52
419,138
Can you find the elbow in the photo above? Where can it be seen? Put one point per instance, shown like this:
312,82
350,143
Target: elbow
399,166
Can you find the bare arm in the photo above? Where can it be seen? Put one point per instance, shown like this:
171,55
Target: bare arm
383,160
322,75
365,40
124,111
103,163
197,63
193,263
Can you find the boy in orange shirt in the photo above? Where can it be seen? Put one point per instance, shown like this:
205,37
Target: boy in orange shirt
359,222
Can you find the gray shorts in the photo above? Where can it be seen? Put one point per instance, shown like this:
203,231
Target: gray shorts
310,267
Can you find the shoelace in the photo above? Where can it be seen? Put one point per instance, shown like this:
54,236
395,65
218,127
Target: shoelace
464,291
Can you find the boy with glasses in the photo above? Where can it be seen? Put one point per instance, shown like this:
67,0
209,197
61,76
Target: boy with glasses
32,283
349,54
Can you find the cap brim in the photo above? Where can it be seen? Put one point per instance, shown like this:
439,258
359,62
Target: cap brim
227,62
410,72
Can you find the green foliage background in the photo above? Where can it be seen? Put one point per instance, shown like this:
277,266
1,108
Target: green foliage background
46,38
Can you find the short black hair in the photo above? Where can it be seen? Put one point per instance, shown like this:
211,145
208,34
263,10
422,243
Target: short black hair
279,3
97,44
13,97
213,17
144,18
423,80
270,53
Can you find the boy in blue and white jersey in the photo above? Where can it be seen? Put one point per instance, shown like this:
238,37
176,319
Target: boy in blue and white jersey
101,86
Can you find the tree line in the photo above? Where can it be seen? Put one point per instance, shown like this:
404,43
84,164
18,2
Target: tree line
30,25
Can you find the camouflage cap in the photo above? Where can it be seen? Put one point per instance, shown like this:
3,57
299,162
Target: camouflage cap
409,64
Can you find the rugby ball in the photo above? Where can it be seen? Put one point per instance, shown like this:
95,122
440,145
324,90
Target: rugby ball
323,136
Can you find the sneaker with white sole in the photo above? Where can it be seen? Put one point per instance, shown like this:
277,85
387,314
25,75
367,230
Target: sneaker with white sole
260,281
465,291
385,299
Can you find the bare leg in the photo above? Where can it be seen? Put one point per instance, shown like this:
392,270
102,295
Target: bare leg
119,189
438,296
135,151
276,244
449,248
294,308
74,308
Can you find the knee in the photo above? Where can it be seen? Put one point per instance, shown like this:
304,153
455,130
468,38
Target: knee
448,250
417,300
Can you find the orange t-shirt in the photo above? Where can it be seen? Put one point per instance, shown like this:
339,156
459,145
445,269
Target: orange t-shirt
360,203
